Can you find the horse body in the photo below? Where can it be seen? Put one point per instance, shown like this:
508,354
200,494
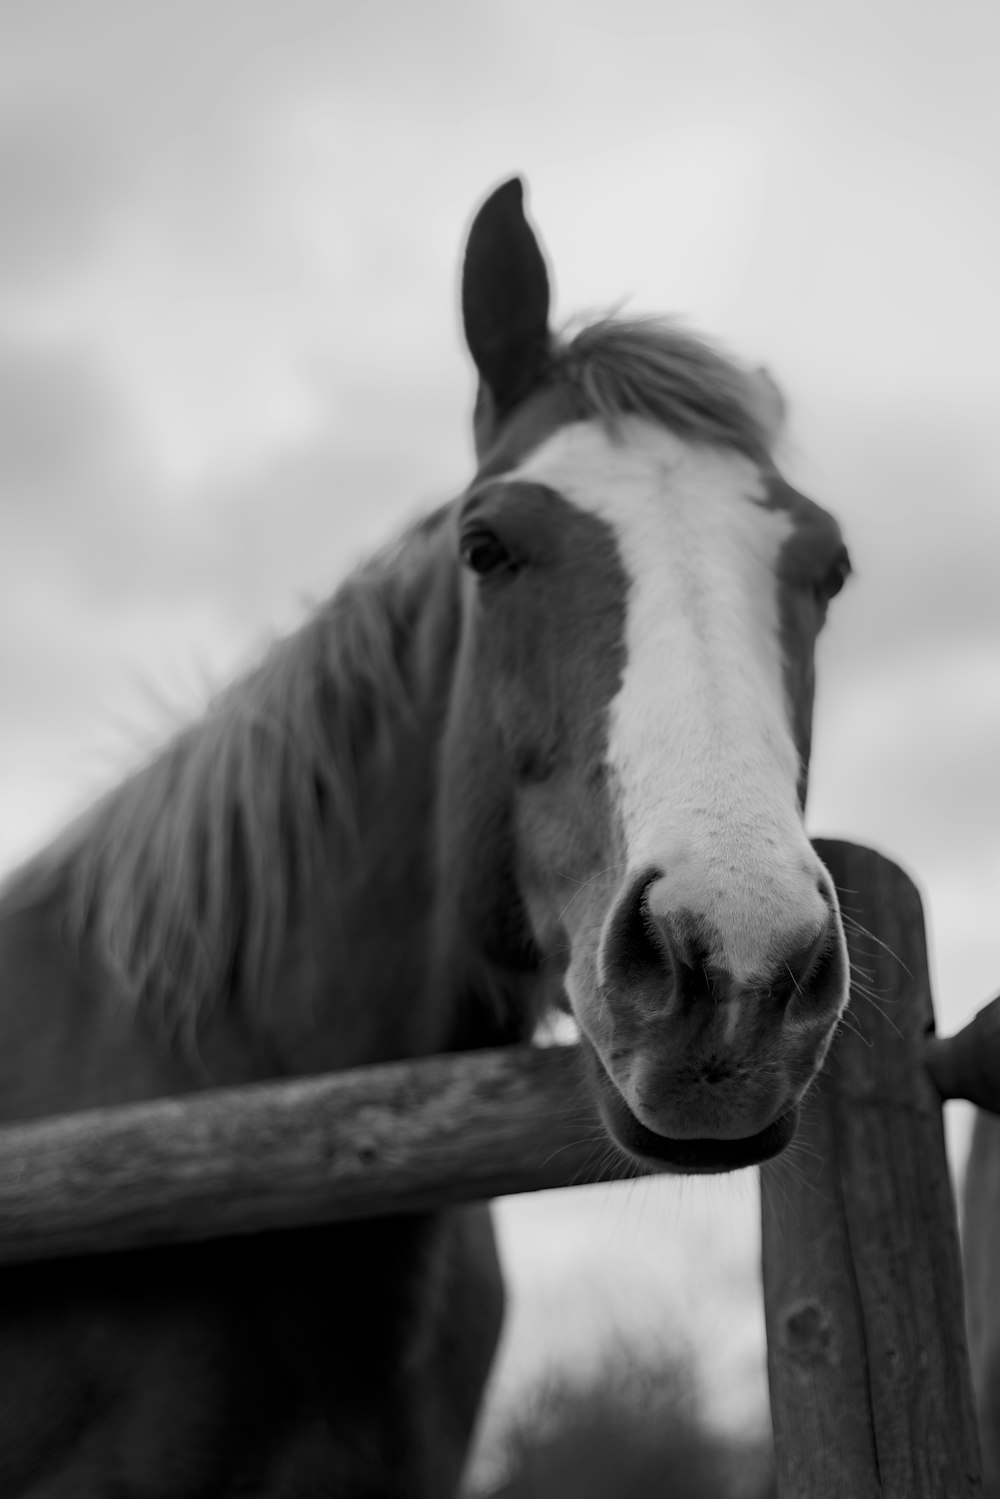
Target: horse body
332,1360
551,748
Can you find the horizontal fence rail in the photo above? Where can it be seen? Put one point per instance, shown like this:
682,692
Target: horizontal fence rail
387,1139
867,1362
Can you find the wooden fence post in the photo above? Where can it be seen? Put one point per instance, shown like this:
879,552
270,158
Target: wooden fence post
867,1361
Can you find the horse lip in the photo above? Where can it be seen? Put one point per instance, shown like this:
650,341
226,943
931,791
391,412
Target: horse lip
688,1157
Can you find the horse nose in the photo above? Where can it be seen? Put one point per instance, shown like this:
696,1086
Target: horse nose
666,957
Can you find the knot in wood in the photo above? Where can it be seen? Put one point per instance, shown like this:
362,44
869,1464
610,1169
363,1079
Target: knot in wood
808,1335
366,1151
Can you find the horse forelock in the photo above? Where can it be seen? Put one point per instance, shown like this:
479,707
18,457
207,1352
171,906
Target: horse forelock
651,367
187,876
611,368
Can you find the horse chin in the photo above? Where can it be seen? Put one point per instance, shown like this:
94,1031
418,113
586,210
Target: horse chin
687,1157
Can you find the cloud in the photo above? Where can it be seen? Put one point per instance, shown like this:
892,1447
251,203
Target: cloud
57,422
59,183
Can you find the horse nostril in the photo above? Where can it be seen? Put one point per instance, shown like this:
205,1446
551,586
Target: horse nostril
655,929
815,972
635,947
799,963
656,957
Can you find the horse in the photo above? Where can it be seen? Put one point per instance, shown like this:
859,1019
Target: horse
549,749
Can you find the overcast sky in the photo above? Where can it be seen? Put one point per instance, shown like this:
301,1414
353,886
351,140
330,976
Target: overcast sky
230,360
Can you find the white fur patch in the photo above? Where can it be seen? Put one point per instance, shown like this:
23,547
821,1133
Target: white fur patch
700,744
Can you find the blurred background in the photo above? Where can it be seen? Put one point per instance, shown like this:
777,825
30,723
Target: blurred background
230,365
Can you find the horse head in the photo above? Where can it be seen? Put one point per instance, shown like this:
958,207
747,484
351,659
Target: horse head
628,737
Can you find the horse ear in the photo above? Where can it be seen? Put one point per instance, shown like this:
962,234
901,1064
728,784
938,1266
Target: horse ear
505,299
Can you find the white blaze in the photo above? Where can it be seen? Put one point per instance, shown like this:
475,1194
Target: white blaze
700,745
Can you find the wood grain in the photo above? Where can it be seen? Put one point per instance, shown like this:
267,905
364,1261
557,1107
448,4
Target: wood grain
870,1389
358,1144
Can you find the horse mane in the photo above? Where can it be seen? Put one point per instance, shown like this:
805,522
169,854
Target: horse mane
652,367
186,875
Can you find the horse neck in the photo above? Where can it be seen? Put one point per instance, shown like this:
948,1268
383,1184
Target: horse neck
324,952
396,938
361,966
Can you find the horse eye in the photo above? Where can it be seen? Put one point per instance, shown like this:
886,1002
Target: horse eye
482,553
837,576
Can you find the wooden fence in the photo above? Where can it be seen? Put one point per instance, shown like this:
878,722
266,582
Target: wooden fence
867,1363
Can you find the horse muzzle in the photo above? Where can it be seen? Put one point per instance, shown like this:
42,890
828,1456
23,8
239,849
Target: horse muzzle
687,1156
695,1068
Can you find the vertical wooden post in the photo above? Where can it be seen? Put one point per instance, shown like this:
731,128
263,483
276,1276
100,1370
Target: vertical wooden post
867,1361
